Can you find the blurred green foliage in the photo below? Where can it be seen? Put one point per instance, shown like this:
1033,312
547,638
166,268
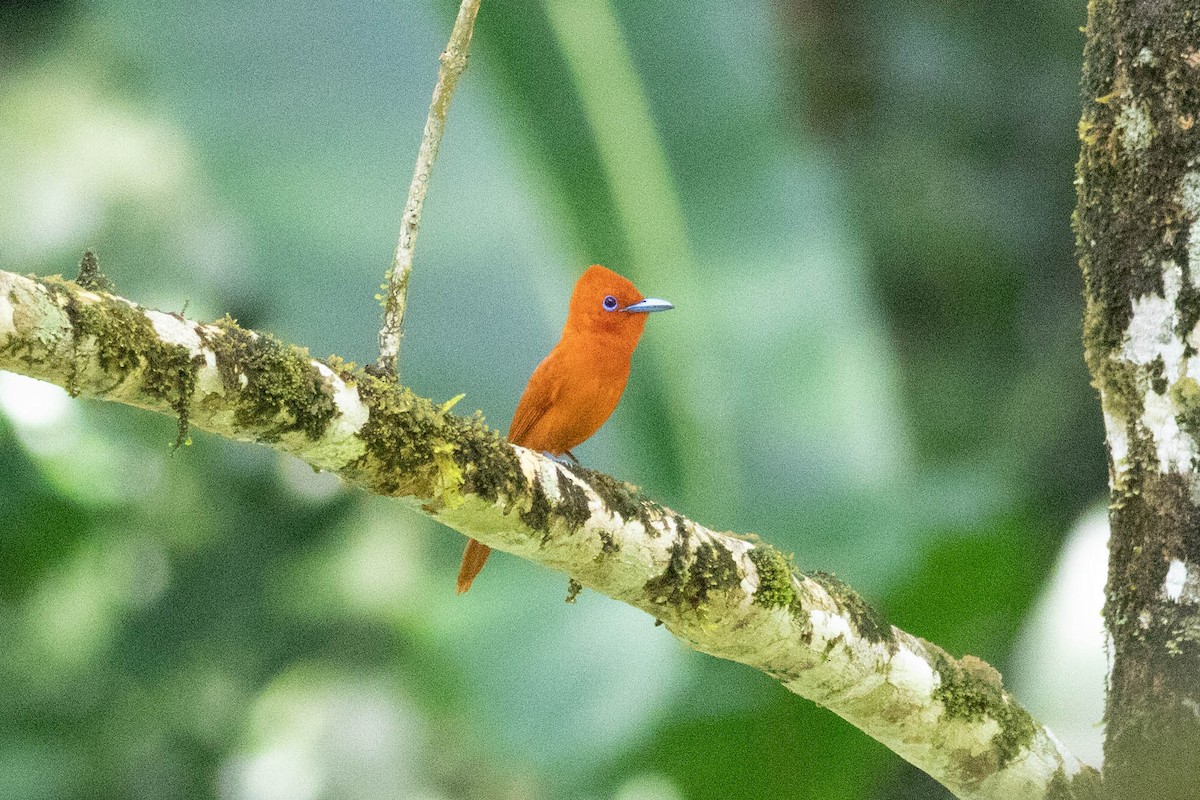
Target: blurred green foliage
861,212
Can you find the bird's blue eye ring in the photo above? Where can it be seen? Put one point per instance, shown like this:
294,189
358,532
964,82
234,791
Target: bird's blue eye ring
610,303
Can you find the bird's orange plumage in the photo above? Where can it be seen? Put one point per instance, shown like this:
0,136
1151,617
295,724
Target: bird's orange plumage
577,387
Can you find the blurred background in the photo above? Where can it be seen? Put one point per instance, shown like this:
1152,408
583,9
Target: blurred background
860,210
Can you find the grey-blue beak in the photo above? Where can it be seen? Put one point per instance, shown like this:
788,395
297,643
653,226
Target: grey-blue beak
648,305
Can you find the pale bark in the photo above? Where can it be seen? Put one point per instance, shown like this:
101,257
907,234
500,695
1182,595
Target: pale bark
721,594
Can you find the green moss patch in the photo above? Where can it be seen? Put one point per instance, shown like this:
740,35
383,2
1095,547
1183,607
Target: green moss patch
694,575
90,277
1084,785
971,690
1117,381
538,515
401,435
1188,302
1186,394
1158,376
490,466
415,448
573,507
667,588
128,348
775,589
275,388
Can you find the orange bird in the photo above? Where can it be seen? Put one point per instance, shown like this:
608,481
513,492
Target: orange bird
575,388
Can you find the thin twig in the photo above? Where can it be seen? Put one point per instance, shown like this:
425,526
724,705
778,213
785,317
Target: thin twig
452,63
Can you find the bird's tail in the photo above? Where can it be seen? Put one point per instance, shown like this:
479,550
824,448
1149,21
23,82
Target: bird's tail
473,560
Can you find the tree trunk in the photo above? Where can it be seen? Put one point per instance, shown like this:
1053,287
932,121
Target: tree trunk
1139,247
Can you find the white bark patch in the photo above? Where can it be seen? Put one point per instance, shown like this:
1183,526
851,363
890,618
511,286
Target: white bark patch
1194,247
739,549
530,463
828,626
173,330
1151,336
540,469
1118,445
750,579
208,378
1182,582
978,739
911,673
1151,332
340,444
1189,192
1177,575
1135,126
1189,199
1070,766
1174,447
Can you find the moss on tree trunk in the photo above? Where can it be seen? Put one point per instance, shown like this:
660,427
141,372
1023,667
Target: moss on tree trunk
1138,238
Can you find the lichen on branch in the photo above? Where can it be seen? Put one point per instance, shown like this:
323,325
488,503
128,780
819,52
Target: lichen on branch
733,597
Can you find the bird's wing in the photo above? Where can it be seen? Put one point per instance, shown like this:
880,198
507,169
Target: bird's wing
537,399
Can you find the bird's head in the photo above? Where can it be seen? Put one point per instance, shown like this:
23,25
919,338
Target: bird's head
606,303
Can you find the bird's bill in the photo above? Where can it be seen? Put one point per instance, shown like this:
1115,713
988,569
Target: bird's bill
648,305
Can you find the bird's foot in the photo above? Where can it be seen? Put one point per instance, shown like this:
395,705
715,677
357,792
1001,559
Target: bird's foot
568,459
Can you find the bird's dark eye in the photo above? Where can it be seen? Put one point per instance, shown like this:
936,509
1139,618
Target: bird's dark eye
610,303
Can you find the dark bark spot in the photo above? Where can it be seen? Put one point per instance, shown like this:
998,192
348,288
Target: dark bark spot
866,621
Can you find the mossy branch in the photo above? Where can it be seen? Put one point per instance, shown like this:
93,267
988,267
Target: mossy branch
721,594
451,65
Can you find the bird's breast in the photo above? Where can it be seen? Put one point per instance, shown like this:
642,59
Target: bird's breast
588,386
591,399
